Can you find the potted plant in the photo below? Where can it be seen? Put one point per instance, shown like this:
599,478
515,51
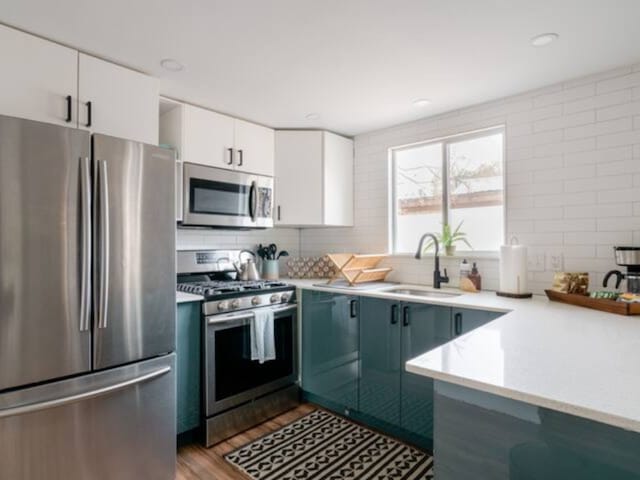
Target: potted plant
449,238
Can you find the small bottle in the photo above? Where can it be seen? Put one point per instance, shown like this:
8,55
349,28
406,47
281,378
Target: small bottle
475,277
465,270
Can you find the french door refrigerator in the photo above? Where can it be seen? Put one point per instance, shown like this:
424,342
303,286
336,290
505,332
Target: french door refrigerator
87,306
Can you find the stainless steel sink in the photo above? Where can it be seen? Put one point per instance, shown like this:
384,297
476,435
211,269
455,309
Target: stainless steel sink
421,293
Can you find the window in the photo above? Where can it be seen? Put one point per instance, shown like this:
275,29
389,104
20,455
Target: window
455,180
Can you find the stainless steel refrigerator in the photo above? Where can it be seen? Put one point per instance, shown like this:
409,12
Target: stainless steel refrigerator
87,306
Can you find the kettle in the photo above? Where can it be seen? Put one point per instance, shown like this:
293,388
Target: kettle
247,271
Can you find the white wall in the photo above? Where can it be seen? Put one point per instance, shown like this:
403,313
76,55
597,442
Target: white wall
572,168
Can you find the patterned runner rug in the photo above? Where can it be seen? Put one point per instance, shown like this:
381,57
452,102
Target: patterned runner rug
322,446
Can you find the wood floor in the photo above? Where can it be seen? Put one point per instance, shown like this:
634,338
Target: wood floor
196,462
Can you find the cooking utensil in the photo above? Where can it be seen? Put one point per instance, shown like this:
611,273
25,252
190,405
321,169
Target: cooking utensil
283,253
272,249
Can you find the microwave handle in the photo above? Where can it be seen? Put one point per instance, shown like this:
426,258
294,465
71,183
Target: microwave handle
253,201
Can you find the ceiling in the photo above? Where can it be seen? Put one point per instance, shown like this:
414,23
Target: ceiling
358,64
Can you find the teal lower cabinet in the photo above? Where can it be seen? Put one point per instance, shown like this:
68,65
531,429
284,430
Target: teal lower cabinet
483,436
466,319
330,349
188,331
381,360
392,333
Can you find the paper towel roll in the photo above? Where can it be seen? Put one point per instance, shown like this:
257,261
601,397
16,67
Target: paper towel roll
513,269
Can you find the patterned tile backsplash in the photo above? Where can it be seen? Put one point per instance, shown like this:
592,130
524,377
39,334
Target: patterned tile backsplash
310,267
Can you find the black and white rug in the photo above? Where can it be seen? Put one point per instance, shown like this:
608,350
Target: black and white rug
322,446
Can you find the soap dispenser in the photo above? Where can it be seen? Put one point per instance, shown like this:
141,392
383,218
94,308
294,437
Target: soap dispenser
475,277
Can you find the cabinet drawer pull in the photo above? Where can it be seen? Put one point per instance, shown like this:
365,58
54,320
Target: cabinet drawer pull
394,314
69,105
230,150
353,305
457,323
279,213
406,321
240,158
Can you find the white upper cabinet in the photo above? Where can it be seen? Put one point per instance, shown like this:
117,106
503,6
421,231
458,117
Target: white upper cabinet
313,179
255,148
39,78
116,101
47,82
209,138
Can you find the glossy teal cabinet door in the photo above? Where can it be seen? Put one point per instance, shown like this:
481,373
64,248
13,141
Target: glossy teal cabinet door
380,329
465,319
331,347
483,436
188,330
424,327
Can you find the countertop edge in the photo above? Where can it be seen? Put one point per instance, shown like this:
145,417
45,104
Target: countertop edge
183,297
568,408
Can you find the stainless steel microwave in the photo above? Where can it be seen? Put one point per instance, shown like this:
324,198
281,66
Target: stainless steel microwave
214,197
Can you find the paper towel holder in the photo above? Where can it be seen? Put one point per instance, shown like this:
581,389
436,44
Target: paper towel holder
514,241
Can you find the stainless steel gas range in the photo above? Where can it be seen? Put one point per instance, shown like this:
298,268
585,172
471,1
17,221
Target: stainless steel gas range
239,392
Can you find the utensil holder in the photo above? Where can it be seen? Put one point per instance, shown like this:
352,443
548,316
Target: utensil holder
270,269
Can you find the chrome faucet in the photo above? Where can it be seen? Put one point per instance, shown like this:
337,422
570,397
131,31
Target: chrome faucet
437,277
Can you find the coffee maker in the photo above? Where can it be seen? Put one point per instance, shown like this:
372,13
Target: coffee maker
628,257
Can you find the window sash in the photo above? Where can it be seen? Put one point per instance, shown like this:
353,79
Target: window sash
446,201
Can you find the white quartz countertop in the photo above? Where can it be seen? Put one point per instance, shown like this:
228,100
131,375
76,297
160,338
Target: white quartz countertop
574,360
183,297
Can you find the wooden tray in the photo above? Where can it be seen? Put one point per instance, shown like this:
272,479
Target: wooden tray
358,268
611,306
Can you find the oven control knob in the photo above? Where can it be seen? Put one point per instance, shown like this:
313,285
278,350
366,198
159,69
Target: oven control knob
224,305
256,301
285,297
235,303
275,298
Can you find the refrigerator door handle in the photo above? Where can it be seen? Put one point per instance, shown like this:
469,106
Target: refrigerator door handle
104,244
85,289
78,397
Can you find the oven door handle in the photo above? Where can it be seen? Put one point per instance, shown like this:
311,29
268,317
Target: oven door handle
233,317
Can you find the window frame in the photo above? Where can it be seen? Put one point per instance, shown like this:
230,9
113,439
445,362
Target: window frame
446,141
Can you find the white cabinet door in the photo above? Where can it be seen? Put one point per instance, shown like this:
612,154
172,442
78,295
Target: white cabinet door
37,77
121,102
298,178
338,180
207,137
254,148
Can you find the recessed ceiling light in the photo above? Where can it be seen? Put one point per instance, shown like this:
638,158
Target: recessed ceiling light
421,102
544,39
312,116
171,65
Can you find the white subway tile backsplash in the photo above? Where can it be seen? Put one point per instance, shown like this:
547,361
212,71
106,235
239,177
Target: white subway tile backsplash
599,101
618,83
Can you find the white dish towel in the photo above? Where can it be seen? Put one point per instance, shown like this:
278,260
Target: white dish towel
263,346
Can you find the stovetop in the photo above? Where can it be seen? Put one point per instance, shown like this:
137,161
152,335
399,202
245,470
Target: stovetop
211,289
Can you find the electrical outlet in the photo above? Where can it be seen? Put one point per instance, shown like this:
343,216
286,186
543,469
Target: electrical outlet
536,262
555,262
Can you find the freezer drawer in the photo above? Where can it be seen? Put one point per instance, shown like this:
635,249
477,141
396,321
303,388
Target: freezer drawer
116,424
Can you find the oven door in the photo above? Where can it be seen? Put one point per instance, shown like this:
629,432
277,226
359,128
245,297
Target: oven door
224,198
232,378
